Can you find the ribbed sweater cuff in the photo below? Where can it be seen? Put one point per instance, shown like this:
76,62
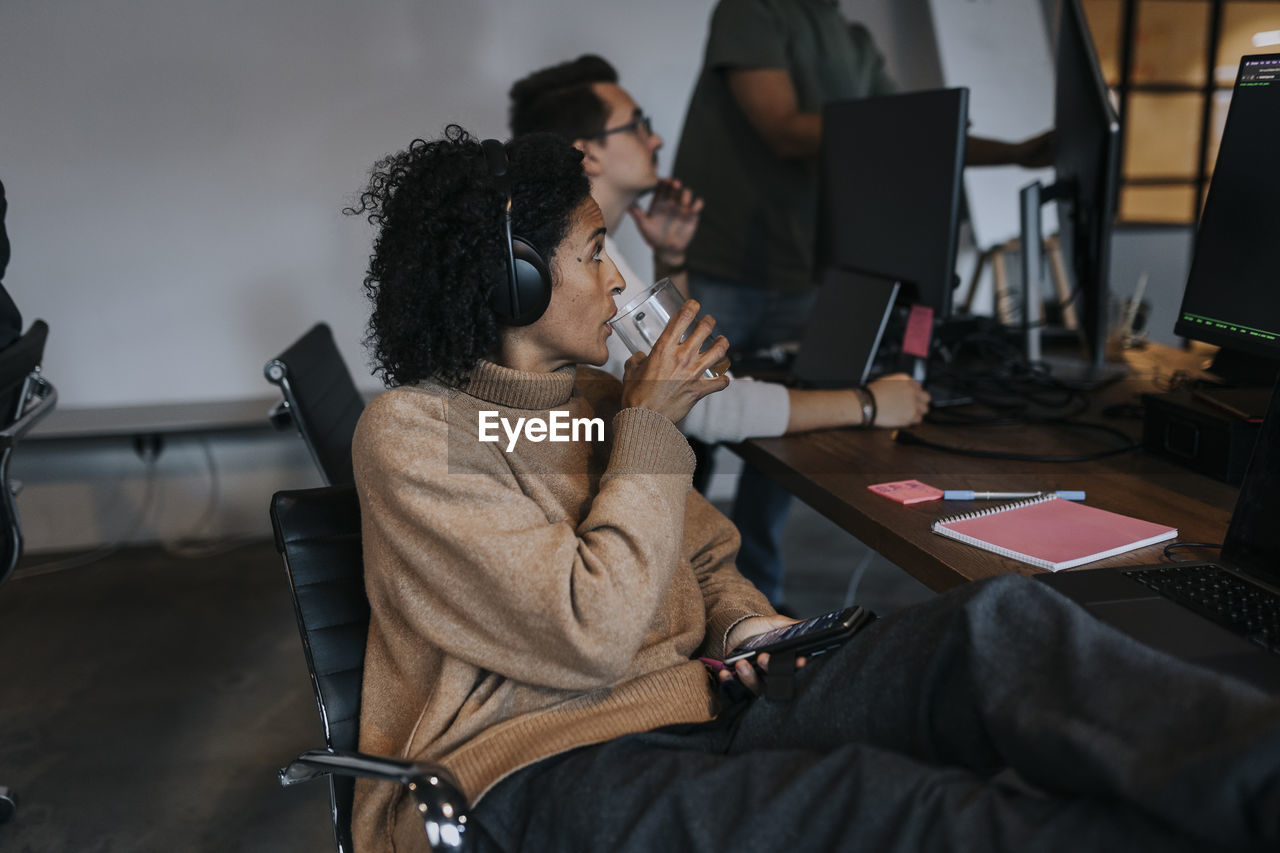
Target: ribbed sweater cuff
645,442
723,621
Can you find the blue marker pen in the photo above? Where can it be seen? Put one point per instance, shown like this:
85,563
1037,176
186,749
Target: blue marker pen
971,495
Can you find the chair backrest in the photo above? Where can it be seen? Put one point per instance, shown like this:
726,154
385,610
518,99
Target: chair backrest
322,399
318,533
20,385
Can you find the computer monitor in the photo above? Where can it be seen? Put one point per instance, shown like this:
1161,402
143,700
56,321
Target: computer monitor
1086,161
1232,297
889,197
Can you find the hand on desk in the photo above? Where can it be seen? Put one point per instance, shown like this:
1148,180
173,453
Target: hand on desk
900,401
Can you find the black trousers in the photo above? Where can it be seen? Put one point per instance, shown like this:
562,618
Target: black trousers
902,739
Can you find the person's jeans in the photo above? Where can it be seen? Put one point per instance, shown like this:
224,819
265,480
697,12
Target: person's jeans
901,741
752,318
755,318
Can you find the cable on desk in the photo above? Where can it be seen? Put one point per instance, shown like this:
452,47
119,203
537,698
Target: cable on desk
1168,549
989,344
904,437
1014,390
953,417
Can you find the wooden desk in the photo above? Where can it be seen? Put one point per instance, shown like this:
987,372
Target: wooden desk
830,471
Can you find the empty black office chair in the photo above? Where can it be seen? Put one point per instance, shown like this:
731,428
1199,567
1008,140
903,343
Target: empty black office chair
318,533
25,398
321,399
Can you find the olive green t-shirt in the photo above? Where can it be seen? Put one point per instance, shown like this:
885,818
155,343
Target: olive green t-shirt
758,222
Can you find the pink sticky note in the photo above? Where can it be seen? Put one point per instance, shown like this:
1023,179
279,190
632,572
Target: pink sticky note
919,330
907,491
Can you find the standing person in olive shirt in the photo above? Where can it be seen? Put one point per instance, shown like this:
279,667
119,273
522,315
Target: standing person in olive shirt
750,140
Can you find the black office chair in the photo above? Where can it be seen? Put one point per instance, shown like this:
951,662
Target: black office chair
321,399
318,533
25,398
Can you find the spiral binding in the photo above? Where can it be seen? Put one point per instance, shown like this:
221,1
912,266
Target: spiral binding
968,516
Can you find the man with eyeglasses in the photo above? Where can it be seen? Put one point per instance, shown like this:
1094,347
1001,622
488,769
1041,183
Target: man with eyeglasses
581,101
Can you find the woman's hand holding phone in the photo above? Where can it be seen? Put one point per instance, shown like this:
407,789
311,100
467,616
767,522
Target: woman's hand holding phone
747,671
758,637
751,673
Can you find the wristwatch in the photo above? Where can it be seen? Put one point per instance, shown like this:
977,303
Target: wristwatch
868,402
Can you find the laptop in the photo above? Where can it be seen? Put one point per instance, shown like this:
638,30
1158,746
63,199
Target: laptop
840,341
1223,614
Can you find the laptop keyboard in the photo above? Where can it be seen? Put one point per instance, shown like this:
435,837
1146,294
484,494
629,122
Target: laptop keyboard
1222,597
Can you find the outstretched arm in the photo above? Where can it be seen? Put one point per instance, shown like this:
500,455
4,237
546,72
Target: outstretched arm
1033,153
899,401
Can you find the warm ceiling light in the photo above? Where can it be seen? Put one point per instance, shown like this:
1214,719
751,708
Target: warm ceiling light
1266,39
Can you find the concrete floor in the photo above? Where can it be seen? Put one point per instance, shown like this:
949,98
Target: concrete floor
146,700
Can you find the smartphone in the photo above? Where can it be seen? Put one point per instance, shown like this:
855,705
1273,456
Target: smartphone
810,637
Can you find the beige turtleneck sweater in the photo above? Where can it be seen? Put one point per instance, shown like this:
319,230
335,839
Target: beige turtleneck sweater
530,602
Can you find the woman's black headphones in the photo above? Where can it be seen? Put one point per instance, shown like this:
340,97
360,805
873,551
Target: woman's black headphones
528,289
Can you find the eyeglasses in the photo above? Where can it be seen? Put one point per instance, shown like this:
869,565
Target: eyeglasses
642,125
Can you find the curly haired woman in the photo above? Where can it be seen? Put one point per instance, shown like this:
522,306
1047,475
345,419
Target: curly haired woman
539,607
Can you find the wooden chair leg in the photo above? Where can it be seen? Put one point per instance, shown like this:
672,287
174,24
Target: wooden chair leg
1000,280
967,304
1061,287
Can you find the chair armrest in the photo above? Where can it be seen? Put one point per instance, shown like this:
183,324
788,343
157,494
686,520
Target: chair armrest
442,806
46,397
281,414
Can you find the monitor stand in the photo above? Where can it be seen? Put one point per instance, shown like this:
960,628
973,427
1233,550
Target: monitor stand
1079,372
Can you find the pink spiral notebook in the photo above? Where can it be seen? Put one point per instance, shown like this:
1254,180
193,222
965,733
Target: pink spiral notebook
1051,533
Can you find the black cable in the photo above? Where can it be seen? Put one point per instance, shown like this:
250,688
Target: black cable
905,437
1021,416
150,454
1172,545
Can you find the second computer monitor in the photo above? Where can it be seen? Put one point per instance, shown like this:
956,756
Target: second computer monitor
1232,297
890,178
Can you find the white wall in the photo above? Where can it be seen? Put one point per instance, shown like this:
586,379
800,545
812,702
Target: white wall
176,168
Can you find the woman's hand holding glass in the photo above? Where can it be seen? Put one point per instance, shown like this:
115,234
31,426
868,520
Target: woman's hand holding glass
674,374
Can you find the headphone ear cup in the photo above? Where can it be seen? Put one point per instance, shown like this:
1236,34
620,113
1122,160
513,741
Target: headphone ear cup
532,284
